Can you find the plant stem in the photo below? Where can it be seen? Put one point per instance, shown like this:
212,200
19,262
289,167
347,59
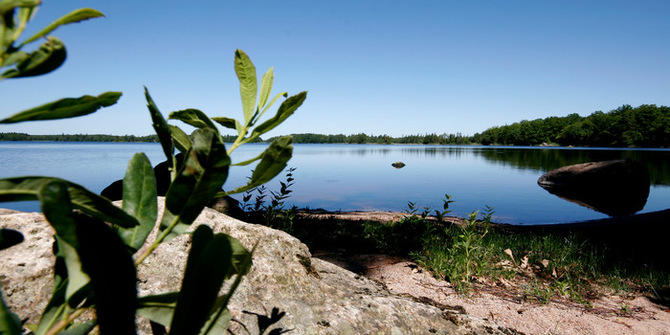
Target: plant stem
158,241
237,142
62,324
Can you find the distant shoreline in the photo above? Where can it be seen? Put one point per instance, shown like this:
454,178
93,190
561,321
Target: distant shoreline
297,139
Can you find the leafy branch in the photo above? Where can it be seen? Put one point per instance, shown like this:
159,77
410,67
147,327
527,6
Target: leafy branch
96,242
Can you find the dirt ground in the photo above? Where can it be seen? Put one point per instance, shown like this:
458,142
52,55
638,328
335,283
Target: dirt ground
606,315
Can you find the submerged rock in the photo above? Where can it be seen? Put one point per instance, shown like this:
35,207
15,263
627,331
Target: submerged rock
318,297
615,188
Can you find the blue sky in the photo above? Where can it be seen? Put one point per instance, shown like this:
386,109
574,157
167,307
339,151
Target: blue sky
379,67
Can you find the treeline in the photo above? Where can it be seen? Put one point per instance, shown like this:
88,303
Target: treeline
92,138
363,138
76,138
642,126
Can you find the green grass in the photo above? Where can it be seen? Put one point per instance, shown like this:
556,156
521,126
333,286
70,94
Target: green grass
541,266
545,266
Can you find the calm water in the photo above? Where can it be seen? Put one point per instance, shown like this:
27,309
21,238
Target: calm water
360,177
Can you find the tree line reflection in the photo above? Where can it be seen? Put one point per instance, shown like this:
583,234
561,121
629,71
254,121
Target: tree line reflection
534,159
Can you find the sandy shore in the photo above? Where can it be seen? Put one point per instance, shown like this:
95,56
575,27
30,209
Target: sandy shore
501,302
607,315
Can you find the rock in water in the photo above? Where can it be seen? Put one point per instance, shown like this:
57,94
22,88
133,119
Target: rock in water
317,297
398,165
616,188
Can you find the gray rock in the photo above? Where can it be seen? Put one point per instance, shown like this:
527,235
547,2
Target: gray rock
227,205
318,297
26,269
616,188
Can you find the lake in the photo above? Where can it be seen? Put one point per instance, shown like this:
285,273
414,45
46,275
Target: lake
360,177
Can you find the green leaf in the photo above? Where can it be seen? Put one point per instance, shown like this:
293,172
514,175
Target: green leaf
266,87
27,188
74,16
77,280
57,306
180,139
226,122
249,161
139,200
158,308
218,322
241,258
104,257
195,118
80,328
285,110
258,116
7,5
246,74
274,161
14,58
272,102
241,264
230,123
162,129
50,56
57,209
10,324
202,175
208,263
66,108
9,237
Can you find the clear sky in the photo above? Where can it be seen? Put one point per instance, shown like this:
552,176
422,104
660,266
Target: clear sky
379,67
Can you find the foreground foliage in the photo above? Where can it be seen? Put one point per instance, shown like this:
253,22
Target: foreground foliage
97,244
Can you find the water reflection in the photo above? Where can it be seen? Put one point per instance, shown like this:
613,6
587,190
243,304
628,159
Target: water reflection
433,151
542,160
502,177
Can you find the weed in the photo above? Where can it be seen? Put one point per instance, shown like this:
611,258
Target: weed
445,208
274,214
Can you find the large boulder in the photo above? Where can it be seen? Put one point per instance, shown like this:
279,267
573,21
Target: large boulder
318,297
616,188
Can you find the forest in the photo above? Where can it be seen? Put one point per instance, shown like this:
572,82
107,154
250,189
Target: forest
643,126
76,138
363,138
88,138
